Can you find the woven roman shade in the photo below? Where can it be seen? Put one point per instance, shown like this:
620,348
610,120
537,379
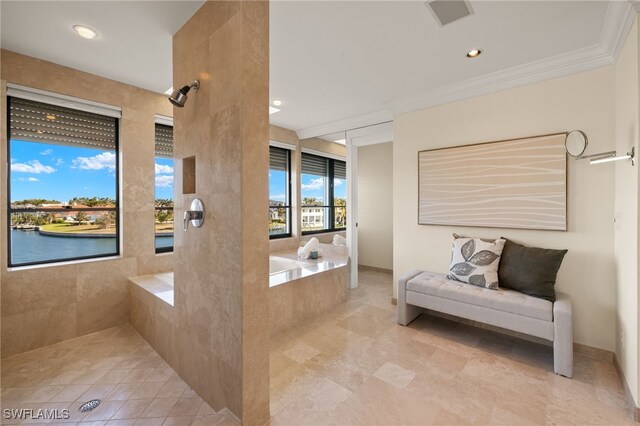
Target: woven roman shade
39,122
164,141
314,165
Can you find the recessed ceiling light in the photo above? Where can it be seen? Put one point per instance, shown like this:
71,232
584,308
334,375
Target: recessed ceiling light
273,110
85,32
277,102
169,91
474,53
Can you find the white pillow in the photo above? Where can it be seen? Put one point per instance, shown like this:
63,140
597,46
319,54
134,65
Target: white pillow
475,261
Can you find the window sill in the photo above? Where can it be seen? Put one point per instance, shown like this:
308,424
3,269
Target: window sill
279,237
324,231
70,262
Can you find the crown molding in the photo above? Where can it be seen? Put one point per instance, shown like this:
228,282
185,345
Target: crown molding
616,26
346,124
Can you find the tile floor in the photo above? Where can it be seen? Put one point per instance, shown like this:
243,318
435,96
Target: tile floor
117,366
353,365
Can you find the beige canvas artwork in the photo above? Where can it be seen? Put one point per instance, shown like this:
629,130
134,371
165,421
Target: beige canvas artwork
519,183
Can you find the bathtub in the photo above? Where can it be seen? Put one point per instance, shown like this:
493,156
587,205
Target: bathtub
282,264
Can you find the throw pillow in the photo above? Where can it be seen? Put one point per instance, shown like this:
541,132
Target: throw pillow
475,261
530,270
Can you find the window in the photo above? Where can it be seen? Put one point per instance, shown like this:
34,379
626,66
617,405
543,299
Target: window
63,183
323,190
279,192
164,189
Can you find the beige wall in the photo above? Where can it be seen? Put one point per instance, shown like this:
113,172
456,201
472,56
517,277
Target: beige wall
375,207
322,145
219,343
626,210
581,101
45,305
281,134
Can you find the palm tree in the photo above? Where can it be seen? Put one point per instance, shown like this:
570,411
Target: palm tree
80,217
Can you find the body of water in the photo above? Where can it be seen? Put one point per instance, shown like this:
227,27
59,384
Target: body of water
30,246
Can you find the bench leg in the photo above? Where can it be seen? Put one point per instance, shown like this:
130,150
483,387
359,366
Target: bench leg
406,313
563,337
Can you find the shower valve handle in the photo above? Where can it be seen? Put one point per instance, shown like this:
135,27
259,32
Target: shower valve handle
195,215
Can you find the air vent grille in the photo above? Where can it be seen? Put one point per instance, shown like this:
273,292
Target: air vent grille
448,11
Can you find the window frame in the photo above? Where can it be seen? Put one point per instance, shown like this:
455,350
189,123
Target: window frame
288,197
11,210
331,206
168,249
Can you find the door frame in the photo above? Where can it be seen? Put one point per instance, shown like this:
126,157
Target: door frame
369,135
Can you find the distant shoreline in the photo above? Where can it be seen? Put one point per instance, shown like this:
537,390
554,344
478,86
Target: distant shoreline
75,234
90,235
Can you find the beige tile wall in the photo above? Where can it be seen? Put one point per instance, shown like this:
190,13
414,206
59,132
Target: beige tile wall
219,342
49,304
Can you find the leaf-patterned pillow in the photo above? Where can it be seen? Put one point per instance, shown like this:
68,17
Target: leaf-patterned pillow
475,261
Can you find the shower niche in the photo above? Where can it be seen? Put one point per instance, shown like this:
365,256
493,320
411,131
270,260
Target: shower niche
189,175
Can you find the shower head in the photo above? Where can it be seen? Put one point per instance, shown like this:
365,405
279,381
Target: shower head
179,96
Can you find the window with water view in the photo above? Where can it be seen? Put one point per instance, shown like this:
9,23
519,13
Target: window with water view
279,192
63,184
164,189
324,194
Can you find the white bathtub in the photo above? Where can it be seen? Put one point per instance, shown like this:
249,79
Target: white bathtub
282,264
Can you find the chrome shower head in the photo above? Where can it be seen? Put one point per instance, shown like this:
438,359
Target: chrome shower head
179,97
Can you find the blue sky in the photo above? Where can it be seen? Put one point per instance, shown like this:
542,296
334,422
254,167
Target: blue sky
277,185
61,172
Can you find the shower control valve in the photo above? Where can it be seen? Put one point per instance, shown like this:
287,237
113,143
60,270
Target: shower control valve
195,214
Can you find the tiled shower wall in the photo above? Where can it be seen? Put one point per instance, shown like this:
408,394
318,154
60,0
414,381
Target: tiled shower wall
41,306
219,342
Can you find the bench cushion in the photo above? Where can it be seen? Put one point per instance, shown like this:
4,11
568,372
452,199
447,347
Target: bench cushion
505,300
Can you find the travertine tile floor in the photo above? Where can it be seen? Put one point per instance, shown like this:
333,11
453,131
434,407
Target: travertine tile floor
117,366
354,365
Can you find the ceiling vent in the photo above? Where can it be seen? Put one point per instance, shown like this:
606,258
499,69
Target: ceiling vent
447,11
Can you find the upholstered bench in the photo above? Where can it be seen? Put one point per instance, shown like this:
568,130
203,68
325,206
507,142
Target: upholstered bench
503,308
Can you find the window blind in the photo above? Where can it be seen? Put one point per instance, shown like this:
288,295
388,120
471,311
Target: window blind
278,159
164,141
339,169
39,122
314,165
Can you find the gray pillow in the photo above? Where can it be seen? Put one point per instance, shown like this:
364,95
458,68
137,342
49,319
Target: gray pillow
530,270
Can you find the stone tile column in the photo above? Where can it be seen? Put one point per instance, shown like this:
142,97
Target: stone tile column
220,343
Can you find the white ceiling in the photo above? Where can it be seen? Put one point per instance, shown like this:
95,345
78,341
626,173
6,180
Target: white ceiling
332,61
134,43
339,65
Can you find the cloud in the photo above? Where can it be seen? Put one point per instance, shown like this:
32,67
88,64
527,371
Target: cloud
338,182
58,161
46,152
33,166
317,183
31,179
161,168
106,160
164,181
